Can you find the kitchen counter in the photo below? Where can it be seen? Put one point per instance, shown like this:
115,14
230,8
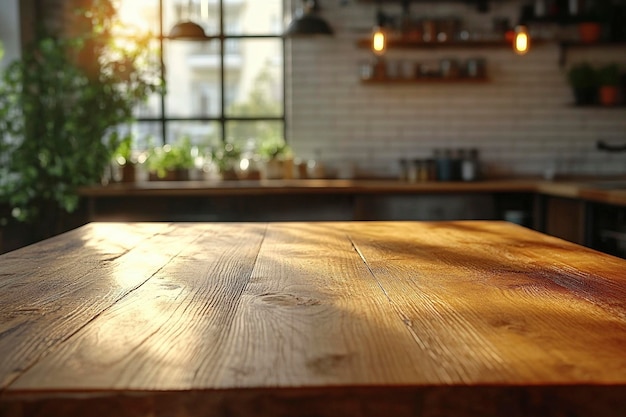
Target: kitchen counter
572,189
299,319
304,186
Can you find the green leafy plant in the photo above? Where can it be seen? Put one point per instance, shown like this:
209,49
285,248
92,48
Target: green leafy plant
583,79
171,157
123,153
59,108
582,75
226,157
274,148
609,75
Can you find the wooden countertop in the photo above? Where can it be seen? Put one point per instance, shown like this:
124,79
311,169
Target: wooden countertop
311,319
572,189
305,186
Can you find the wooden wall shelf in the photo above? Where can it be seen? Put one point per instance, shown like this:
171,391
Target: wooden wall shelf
412,44
426,80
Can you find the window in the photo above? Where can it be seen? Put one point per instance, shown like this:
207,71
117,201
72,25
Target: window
229,88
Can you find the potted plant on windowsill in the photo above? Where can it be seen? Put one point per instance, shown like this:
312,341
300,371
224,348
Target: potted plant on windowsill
608,82
60,104
227,158
171,162
277,159
582,78
122,157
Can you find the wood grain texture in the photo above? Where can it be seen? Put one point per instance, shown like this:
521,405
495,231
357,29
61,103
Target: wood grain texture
480,298
312,319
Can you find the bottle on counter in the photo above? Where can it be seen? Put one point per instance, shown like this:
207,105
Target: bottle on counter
315,167
470,166
457,158
412,174
403,174
443,162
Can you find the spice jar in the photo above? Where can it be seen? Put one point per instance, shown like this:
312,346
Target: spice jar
469,166
449,68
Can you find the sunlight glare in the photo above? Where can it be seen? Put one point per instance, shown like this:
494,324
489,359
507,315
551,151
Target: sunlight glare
136,17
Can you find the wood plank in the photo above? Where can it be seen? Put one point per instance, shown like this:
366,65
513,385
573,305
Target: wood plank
163,334
502,295
313,316
303,319
52,290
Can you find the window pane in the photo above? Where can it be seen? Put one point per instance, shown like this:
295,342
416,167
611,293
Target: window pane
151,71
203,12
254,134
151,108
254,77
204,135
192,79
253,17
253,72
144,134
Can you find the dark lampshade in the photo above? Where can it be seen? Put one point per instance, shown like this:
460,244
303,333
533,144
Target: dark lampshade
308,23
187,30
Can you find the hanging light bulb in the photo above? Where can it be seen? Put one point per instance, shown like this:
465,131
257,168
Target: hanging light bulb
379,40
379,37
521,40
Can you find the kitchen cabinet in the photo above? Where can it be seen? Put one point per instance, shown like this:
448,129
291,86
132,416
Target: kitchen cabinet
425,207
565,218
303,200
606,230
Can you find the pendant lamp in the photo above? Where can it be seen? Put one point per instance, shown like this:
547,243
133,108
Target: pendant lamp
379,34
187,30
521,40
307,22
521,36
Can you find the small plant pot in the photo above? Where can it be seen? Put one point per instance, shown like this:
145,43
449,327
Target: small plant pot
229,174
589,32
171,175
274,169
608,95
585,96
128,172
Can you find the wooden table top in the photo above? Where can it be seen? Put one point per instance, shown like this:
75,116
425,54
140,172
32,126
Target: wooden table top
311,319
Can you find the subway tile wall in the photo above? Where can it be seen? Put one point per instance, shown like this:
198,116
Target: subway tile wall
522,121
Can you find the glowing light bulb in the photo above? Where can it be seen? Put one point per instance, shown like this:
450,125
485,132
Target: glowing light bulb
521,42
379,41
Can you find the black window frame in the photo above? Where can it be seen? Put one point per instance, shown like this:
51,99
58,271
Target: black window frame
222,119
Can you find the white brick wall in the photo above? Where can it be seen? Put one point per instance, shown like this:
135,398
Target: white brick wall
522,121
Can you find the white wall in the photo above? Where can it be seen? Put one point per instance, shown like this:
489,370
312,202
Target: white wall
9,30
522,121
